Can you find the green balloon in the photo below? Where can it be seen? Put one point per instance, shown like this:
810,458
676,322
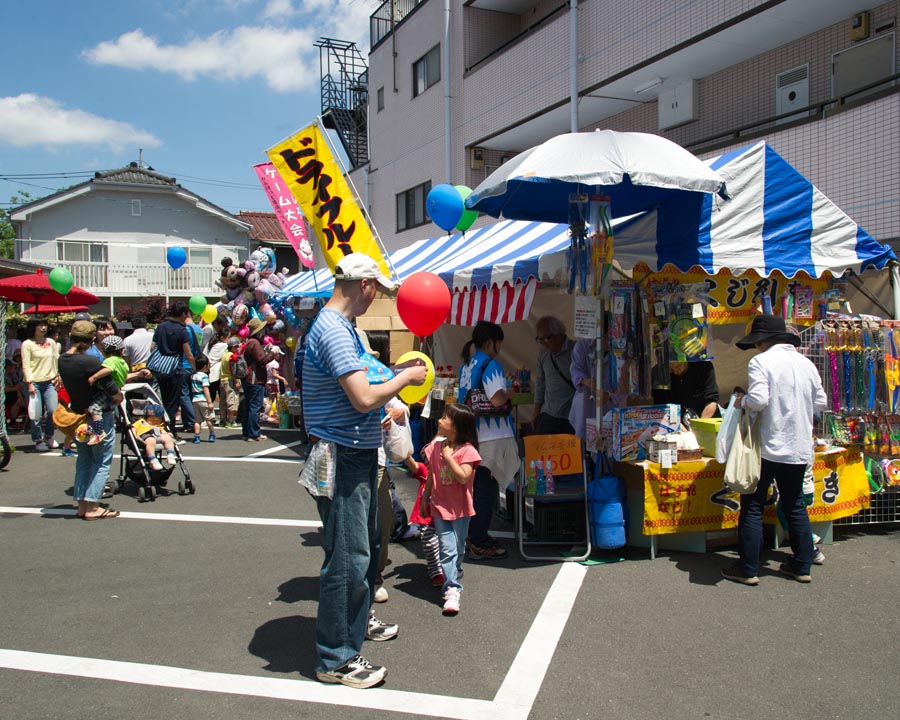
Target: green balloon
468,216
61,280
197,304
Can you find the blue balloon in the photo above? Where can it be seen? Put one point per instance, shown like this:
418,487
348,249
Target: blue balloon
176,257
444,206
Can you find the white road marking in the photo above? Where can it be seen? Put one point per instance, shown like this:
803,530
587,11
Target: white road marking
269,451
243,458
226,519
513,700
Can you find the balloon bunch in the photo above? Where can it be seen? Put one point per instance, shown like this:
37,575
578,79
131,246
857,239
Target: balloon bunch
445,205
251,286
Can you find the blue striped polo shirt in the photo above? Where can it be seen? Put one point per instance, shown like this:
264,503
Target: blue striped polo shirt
333,349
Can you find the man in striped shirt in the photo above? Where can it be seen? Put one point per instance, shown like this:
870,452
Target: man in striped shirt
341,407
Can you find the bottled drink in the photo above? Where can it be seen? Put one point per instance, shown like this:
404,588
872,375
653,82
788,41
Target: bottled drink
541,480
531,480
548,479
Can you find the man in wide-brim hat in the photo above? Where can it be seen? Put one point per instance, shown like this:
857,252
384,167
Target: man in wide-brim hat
784,387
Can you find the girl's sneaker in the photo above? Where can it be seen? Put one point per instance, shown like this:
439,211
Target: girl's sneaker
170,459
196,440
438,580
154,464
212,437
451,601
68,452
96,438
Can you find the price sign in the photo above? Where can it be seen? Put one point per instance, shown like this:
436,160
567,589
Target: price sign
563,452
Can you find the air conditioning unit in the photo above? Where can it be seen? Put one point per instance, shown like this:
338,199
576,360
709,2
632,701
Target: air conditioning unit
791,93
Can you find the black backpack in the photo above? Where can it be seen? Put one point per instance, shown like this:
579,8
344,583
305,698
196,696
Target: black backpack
239,368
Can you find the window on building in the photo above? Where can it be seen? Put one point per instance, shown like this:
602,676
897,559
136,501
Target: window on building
71,251
411,207
380,95
427,70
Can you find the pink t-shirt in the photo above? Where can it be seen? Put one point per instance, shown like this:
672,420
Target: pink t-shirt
449,499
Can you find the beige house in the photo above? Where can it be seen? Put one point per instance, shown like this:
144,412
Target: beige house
113,231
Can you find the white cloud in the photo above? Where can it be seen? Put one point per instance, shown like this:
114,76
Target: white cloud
284,58
278,9
28,120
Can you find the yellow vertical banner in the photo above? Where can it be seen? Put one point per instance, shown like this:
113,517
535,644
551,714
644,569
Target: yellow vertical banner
305,163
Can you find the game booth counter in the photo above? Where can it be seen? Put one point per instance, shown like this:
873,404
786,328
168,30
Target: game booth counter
687,277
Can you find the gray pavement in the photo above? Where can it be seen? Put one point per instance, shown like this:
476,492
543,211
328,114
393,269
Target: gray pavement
150,616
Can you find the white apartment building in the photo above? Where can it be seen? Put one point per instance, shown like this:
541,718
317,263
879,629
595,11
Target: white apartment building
457,87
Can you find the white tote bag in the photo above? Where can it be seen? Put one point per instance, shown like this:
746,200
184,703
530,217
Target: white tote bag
744,460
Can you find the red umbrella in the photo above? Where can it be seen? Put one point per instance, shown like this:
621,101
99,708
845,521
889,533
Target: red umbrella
50,309
35,289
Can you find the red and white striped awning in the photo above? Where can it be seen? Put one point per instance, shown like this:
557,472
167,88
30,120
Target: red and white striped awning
507,303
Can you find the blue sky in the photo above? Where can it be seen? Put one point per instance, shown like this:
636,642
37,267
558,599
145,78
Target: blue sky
203,86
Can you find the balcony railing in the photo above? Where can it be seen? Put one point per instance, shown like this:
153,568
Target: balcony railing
121,280
388,14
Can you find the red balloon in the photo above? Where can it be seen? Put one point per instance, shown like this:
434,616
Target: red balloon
423,303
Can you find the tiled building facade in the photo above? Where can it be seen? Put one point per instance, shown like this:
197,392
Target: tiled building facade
509,75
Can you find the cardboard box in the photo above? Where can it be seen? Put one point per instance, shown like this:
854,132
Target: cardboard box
632,428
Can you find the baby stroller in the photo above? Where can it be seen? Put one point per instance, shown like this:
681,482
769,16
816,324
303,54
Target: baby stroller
133,462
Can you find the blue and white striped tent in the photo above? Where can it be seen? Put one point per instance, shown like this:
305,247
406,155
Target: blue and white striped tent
775,220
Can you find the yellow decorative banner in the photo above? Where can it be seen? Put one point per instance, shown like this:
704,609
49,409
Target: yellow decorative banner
309,170
691,496
734,298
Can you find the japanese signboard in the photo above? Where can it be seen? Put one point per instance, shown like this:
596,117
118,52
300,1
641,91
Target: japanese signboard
734,298
306,164
286,210
691,496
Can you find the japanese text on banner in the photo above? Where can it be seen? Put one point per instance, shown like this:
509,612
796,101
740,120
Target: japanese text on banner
734,298
286,210
306,164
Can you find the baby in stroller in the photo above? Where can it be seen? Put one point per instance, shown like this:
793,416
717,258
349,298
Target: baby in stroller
151,430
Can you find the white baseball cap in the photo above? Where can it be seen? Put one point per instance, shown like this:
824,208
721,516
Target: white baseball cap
359,266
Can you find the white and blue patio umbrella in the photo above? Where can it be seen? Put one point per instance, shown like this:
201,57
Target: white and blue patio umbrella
775,220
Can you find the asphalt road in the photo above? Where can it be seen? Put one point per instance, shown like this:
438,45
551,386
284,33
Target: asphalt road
204,607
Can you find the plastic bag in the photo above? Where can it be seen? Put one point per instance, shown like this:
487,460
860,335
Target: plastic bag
317,475
35,407
397,439
730,418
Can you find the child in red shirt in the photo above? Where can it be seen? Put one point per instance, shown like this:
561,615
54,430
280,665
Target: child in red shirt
448,493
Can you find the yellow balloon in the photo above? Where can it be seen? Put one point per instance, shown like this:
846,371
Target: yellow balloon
209,313
290,341
415,393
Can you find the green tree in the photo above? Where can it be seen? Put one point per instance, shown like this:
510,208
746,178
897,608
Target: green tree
7,231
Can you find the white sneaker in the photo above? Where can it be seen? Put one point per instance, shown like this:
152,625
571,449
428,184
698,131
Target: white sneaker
381,595
41,446
170,459
154,464
379,631
358,673
451,601
52,444
816,539
818,557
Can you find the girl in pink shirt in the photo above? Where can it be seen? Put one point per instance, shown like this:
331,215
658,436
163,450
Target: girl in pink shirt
448,493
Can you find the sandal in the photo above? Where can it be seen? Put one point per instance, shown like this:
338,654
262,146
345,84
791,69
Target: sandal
107,513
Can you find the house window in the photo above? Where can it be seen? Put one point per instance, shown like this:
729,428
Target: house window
427,70
380,96
136,208
411,207
71,251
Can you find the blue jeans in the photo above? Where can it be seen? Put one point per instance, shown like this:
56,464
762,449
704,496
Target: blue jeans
186,405
452,535
352,543
253,402
789,481
484,492
92,464
43,427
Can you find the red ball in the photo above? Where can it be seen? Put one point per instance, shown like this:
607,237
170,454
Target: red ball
423,303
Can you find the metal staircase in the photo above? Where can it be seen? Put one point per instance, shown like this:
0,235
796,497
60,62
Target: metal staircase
345,96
